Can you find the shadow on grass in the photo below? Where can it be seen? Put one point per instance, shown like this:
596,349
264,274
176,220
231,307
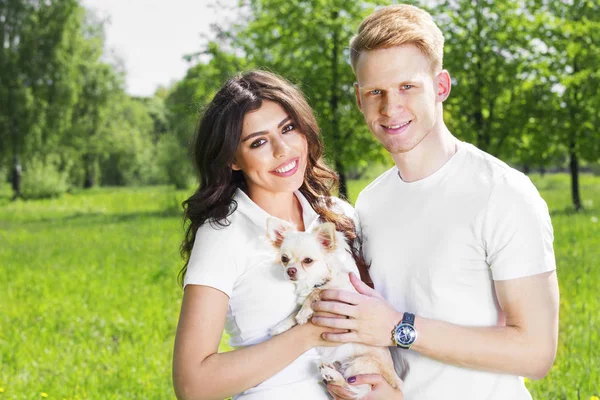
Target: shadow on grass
98,218
570,211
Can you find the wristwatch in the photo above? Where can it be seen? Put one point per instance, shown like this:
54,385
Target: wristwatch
404,334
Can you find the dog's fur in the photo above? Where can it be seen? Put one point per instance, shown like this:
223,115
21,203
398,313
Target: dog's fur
320,260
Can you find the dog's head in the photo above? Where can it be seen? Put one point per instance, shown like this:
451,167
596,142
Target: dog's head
304,255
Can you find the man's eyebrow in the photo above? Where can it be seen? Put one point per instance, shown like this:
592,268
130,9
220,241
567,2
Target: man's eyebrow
250,136
379,87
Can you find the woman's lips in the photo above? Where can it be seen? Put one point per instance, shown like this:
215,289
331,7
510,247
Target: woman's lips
287,169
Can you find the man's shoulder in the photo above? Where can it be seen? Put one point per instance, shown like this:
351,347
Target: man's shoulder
380,183
489,168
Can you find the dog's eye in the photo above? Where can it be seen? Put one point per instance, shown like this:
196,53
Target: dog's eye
284,259
307,260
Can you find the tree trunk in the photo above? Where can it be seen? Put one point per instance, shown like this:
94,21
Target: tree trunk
574,169
16,179
90,177
343,192
16,171
333,103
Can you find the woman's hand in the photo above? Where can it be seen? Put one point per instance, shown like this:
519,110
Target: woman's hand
370,318
380,389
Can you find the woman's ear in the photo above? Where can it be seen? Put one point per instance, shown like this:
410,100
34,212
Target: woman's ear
235,166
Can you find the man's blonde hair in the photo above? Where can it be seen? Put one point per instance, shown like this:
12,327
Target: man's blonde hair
397,25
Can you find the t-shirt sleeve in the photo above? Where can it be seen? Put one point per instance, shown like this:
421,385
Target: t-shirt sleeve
212,261
517,230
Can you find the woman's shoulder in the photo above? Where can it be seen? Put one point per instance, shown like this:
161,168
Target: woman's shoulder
341,206
226,227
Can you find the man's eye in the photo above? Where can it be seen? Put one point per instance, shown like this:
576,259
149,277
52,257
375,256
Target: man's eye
375,92
285,259
406,87
307,260
258,143
288,128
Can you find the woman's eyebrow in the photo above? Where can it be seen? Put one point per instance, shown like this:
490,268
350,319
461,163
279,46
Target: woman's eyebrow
250,136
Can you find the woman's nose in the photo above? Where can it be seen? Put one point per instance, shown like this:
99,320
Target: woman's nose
280,148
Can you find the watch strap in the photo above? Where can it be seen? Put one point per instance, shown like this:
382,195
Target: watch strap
408,318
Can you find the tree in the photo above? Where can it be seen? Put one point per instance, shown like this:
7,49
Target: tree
489,54
184,104
571,34
36,77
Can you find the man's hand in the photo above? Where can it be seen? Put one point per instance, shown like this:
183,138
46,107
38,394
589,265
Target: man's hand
381,390
369,318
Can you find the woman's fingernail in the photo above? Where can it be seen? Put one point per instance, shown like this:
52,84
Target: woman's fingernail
352,379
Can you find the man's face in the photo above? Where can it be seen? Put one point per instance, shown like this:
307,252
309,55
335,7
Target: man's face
399,96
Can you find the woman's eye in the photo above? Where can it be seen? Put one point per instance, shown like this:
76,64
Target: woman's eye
307,260
406,87
375,92
258,143
288,128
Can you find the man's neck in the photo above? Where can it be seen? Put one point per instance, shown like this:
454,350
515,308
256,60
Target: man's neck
428,156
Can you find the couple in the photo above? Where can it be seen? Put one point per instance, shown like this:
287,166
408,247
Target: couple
459,244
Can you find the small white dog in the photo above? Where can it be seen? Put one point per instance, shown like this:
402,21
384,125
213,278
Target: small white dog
316,261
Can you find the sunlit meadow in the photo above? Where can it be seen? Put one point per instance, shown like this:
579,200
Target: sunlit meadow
89,298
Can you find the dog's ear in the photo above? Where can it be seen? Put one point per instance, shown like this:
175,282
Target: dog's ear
326,235
277,229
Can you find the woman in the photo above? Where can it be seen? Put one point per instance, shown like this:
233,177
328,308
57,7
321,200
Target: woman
258,152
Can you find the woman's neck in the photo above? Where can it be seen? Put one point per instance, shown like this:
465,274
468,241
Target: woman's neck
284,205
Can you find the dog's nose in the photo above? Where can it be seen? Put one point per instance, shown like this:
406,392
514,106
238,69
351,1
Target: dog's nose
291,272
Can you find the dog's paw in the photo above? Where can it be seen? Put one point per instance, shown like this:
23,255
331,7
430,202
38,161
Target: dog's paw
331,374
304,315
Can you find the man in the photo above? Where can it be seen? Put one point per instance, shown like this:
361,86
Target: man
460,244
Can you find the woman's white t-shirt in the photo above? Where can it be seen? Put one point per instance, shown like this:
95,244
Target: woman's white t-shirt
239,261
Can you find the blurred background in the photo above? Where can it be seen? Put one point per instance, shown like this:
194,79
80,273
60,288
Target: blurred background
98,102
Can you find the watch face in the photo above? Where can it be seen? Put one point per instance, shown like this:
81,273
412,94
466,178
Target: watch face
405,334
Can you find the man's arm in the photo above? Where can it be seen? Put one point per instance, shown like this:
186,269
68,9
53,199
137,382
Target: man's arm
525,345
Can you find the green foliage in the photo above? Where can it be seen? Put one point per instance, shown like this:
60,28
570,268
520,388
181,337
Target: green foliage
125,143
37,74
174,163
42,179
488,52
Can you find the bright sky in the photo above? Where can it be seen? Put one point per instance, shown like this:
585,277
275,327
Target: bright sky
151,36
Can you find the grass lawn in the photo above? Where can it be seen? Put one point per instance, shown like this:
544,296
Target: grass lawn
89,299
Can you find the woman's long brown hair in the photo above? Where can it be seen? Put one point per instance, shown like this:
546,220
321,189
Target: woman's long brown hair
215,142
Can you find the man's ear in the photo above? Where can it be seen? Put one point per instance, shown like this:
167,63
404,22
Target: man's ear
357,95
277,229
326,235
443,86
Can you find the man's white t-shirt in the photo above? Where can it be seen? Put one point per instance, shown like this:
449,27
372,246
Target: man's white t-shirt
436,246
239,261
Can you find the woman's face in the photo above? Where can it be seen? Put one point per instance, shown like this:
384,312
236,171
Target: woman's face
272,153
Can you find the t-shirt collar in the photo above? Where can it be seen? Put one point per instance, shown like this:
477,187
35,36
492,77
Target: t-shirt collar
258,216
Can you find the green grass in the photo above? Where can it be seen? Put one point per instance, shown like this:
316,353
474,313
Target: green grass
89,299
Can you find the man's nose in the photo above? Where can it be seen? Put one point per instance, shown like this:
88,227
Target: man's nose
392,103
291,272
